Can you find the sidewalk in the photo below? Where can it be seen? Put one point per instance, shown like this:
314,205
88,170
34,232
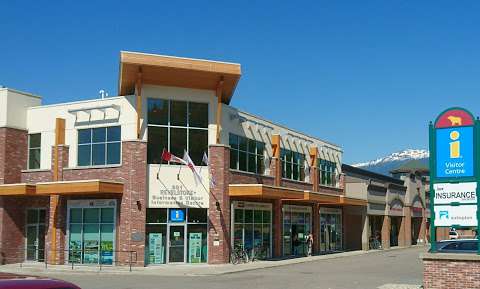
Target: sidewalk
175,270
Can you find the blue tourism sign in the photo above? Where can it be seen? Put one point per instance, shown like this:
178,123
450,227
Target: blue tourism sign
177,215
454,152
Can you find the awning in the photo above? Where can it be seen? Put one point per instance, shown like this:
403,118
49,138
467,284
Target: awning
264,192
84,187
260,191
177,71
17,190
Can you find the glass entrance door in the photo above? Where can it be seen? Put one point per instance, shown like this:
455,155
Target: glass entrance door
35,235
177,244
330,232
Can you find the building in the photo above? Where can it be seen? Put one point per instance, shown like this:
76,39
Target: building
91,182
395,214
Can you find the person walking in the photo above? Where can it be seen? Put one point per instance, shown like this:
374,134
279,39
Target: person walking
309,244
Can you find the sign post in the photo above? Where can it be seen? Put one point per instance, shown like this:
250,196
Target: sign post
454,171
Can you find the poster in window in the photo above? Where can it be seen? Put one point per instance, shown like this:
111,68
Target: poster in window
195,247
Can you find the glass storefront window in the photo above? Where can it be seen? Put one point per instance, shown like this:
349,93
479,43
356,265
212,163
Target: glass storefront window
330,231
296,227
92,235
252,229
176,236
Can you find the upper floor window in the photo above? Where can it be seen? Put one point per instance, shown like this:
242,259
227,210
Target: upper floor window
293,165
99,146
177,126
246,154
327,175
34,144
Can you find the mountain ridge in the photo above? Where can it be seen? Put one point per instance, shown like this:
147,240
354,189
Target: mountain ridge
384,165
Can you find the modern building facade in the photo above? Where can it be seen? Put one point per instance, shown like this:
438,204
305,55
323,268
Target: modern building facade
395,214
91,181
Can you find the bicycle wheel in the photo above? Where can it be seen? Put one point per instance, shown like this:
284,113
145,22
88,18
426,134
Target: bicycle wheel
234,258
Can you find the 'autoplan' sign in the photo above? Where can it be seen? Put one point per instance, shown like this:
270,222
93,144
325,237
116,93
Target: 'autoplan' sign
454,144
446,193
446,216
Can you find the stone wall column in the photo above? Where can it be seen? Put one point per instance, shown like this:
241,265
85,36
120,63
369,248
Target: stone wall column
277,228
219,243
386,227
365,231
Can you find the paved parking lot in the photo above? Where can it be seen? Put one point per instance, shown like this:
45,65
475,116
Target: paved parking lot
381,269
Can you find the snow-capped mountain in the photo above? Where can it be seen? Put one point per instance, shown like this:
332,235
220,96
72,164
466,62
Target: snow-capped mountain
385,164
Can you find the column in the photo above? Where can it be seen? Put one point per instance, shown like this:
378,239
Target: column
219,245
365,231
408,226
386,232
277,228
276,166
316,228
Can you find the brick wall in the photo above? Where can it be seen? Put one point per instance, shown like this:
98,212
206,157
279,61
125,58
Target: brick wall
440,273
219,209
13,154
12,230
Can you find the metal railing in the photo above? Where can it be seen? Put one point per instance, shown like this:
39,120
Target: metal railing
72,258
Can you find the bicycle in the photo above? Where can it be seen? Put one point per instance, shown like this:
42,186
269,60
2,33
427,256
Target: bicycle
259,253
238,255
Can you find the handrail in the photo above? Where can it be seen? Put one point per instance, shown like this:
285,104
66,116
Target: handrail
73,257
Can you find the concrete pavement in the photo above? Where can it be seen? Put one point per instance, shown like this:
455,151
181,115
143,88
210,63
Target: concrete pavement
400,268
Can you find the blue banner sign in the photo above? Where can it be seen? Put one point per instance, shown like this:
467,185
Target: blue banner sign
454,152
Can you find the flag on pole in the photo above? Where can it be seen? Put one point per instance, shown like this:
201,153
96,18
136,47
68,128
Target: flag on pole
206,161
169,157
189,163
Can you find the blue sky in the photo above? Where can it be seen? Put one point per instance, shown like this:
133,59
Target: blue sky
367,75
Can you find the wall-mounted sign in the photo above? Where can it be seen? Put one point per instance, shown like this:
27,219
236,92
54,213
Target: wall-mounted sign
447,216
177,215
446,193
454,152
195,247
171,186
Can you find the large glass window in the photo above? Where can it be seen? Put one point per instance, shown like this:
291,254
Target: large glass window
34,144
296,227
293,165
252,230
246,154
91,235
327,175
99,146
177,126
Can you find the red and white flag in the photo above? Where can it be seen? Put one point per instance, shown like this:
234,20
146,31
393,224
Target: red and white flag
168,157
188,162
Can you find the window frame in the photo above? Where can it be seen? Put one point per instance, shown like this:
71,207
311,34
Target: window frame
327,173
300,164
169,126
258,156
39,148
106,143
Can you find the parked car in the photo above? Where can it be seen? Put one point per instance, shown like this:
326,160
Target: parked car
453,235
458,246
14,281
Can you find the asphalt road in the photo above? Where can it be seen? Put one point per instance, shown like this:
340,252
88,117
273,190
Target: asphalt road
372,270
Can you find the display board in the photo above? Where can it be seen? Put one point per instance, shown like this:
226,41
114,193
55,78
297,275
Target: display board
454,171
195,247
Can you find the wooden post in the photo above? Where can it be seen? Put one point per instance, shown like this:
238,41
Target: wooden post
276,159
314,168
54,199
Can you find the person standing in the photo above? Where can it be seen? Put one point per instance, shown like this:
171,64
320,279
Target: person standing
309,244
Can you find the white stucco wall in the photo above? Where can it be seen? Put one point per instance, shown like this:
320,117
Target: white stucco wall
41,119
253,127
13,107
